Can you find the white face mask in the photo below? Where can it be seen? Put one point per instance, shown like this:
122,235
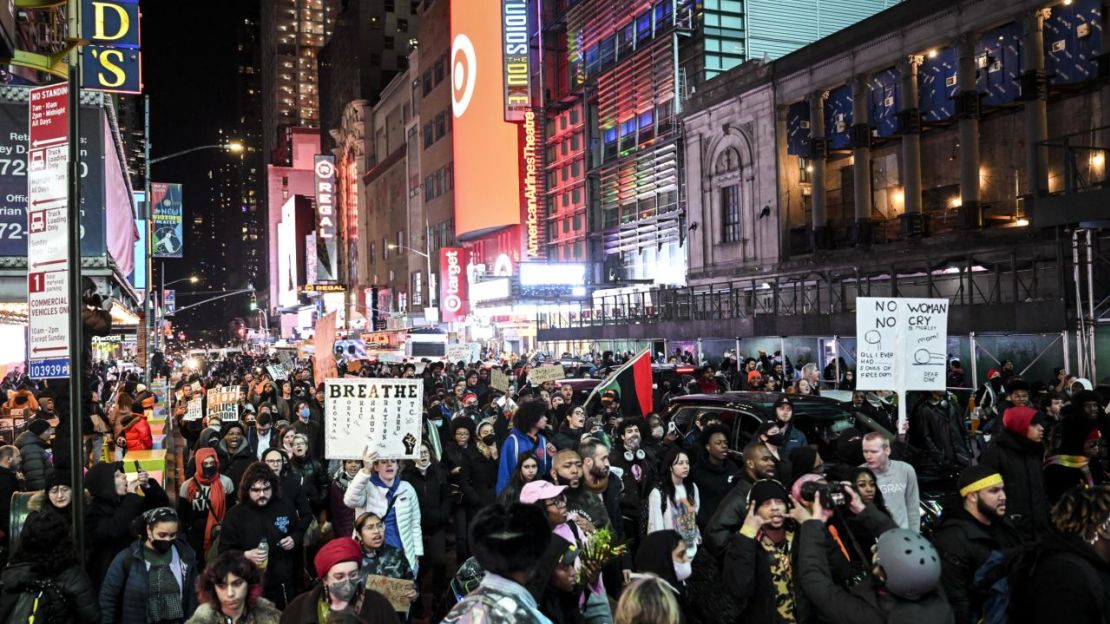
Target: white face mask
682,571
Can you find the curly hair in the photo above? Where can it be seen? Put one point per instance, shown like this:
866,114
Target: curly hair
1083,511
230,562
528,414
46,542
254,473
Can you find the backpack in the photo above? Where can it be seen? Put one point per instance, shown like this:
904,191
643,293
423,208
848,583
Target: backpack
41,601
1002,577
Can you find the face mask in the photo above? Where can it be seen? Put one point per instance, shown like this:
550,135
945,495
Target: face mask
438,422
208,471
162,546
682,571
304,414
489,440
657,433
344,591
777,440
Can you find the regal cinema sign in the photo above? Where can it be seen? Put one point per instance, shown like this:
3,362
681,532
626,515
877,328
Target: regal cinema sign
452,284
111,60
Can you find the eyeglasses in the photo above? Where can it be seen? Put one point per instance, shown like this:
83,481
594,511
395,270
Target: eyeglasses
261,490
560,502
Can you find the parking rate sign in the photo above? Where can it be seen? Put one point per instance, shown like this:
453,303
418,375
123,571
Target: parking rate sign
48,233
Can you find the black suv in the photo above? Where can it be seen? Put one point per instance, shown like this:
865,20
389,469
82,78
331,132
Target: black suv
821,419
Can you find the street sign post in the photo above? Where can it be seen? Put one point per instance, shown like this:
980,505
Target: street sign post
48,278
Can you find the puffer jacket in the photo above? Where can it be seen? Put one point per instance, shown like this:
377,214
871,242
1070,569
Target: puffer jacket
72,584
36,466
1019,461
363,495
123,596
136,431
863,604
263,612
235,464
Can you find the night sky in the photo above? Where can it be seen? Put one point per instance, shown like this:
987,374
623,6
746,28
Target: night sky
189,73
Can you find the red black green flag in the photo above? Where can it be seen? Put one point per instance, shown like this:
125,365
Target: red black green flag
632,383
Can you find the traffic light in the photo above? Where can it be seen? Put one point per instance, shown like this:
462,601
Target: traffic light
254,302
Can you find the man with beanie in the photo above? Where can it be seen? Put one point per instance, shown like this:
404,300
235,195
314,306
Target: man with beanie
32,445
784,415
968,534
265,526
234,452
758,568
507,541
342,588
1017,453
115,504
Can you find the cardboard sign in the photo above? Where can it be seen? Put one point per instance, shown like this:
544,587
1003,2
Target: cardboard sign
901,343
194,409
278,372
286,359
498,380
383,414
547,372
224,402
394,590
324,340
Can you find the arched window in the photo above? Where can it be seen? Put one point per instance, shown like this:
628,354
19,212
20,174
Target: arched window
728,162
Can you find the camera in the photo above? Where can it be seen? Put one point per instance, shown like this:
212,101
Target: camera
831,494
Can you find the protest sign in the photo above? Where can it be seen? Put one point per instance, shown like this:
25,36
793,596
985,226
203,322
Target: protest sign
383,414
498,380
458,352
547,372
277,372
193,410
324,341
224,402
396,591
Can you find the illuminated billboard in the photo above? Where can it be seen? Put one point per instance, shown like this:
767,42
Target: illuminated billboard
327,269
111,60
453,303
487,188
516,64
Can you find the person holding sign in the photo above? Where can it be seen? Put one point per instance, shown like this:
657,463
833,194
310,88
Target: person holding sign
381,559
378,488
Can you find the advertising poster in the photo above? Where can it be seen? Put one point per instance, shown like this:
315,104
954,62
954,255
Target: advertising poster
168,212
382,414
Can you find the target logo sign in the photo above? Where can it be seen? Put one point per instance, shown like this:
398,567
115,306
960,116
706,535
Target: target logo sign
464,73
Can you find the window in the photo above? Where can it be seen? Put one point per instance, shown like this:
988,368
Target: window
441,126
403,25
429,137
439,69
730,214
643,27
427,82
388,43
402,63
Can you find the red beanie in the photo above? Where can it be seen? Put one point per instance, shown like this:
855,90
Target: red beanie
336,551
1018,419
992,373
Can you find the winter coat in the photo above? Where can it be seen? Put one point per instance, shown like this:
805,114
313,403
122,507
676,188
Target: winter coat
714,482
362,495
123,596
342,517
566,438
9,485
465,459
863,604
375,608
137,433
728,516
747,579
634,493
246,525
514,446
36,466
1019,461
434,493
937,431
108,517
20,579
1069,583
194,512
233,464
794,438
263,612
964,544
314,481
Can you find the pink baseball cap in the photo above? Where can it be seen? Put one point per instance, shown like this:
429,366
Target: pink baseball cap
540,490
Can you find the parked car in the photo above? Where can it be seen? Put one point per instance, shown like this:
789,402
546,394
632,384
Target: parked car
821,419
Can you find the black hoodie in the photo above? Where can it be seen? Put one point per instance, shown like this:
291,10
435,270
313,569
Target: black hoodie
108,517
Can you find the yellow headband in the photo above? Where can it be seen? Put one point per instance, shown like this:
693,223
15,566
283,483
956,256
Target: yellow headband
981,484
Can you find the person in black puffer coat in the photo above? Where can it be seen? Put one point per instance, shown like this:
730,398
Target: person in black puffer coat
714,472
433,491
32,445
1067,576
47,562
1017,453
114,506
460,455
311,473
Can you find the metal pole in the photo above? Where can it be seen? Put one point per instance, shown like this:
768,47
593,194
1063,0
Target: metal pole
148,305
1067,350
1092,372
76,363
974,362
161,310
1080,331
836,361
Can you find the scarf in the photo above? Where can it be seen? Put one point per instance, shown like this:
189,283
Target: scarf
342,479
1078,462
392,532
217,500
165,584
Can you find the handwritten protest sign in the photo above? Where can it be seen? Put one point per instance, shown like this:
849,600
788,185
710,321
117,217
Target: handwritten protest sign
383,414
396,591
498,380
323,341
458,352
224,402
547,372
194,409
277,372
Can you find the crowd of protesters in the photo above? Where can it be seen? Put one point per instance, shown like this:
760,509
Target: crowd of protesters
541,504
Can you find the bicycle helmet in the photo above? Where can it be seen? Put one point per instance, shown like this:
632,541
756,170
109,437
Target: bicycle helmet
911,563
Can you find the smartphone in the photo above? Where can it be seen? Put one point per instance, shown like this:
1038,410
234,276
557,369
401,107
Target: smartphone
138,468
671,428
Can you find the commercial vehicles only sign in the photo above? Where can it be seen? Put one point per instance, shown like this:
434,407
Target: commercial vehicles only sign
48,233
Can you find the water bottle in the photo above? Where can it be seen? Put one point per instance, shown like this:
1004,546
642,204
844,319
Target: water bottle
264,550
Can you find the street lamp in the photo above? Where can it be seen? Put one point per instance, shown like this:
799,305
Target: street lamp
427,257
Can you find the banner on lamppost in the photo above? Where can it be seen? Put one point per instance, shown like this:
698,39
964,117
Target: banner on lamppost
169,302
168,212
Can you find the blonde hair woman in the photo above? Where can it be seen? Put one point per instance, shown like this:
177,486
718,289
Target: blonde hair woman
648,600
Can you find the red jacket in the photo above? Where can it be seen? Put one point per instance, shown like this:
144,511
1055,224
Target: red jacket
138,435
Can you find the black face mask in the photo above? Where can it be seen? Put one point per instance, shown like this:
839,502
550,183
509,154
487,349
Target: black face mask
162,546
208,471
489,440
777,440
